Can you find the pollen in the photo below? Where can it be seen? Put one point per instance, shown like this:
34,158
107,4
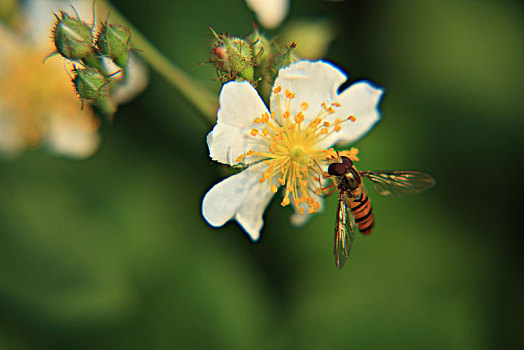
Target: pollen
299,118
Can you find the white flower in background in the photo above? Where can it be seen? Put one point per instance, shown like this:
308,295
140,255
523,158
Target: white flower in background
287,146
270,13
38,105
312,37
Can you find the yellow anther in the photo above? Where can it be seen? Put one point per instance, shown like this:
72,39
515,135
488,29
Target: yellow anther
301,210
254,132
274,188
250,153
265,131
336,104
282,181
240,158
285,201
304,106
326,124
286,115
352,118
331,154
319,191
277,89
289,94
312,210
299,117
258,120
351,154
324,131
324,105
337,125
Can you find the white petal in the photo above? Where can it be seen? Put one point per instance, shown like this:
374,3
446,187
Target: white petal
360,100
270,13
241,196
132,83
40,19
10,144
311,82
73,135
250,213
240,104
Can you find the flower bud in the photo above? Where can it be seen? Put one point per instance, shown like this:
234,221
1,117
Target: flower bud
113,40
262,47
73,38
91,85
233,59
287,57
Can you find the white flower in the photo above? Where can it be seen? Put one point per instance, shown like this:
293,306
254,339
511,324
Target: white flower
38,105
270,13
286,146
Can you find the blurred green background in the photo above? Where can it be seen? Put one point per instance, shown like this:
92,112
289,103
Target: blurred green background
112,252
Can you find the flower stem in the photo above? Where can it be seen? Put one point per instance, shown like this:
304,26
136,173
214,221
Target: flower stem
205,101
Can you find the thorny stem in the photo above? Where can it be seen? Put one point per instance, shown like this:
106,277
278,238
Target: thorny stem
204,100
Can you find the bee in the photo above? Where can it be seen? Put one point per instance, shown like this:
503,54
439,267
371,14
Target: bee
351,194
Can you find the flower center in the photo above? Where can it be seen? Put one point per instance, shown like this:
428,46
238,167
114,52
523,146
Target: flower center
290,149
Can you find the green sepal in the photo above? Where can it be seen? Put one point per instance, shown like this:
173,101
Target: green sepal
113,40
91,85
73,38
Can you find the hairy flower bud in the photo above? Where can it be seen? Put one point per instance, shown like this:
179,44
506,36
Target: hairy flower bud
113,40
262,47
287,57
233,58
91,85
73,38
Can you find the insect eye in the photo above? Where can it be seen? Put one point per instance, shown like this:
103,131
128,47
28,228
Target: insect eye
347,162
337,169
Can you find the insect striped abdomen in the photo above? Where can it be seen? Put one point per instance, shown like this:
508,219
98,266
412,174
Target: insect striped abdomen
363,213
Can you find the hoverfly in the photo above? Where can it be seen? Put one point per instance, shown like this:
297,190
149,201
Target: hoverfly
351,194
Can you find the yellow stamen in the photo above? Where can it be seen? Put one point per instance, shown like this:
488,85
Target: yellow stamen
299,117
292,155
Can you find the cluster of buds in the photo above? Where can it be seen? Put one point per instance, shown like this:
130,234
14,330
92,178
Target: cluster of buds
254,58
75,41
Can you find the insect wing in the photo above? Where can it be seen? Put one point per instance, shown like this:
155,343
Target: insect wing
344,233
399,183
